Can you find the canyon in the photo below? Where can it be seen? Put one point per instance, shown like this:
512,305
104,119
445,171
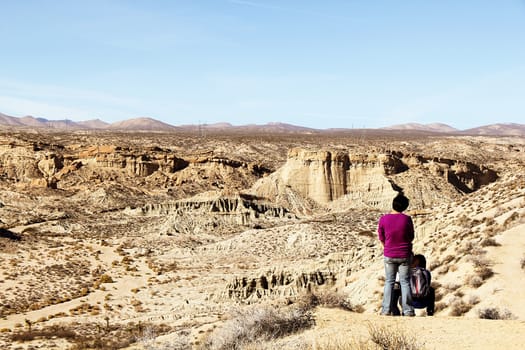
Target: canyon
171,230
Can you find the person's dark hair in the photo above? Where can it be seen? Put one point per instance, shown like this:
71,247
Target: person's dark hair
400,203
421,259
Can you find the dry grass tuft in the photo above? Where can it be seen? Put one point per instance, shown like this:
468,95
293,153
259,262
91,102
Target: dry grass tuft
489,242
180,342
340,343
493,313
258,323
482,267
459,307
328,298
393,338
474,281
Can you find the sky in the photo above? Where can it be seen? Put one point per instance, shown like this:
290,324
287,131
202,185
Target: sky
321,64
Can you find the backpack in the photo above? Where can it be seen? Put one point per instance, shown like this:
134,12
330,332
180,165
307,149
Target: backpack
419,283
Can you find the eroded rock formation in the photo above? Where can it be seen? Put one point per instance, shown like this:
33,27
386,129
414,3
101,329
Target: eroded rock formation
371,179
277,284
44,165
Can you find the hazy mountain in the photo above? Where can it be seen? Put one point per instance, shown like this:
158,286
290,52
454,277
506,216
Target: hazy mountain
513,129
94,124
150,124
32,121
251,128
276,128
433,127
143,123
8,120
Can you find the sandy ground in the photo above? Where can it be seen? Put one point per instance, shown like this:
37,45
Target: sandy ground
436,332
509,277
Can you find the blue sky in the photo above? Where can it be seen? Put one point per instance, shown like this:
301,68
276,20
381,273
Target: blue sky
314,63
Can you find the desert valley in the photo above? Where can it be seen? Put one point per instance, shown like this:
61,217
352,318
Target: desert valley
246,238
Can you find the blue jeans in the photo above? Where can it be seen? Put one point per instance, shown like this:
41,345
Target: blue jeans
392,267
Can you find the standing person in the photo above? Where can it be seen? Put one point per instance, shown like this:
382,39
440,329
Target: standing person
396,232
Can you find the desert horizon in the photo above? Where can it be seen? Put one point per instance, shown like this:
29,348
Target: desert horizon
151,124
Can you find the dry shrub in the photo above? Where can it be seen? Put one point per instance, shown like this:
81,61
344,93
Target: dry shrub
459,308
522,263
482,267
327,298
43,334
489,221
485,272
459,293
511,219
180,341
474,281
388,337
440,306
258,323
489,242
493,313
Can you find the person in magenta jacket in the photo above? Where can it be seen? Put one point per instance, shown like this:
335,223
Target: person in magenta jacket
396,232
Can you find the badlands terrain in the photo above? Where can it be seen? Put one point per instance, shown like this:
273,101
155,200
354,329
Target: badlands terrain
185,240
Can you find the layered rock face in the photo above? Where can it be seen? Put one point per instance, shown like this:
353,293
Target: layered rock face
277,284
372,179
237,210
325,176
43,165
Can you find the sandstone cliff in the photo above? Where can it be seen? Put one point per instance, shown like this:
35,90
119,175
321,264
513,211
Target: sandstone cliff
372,179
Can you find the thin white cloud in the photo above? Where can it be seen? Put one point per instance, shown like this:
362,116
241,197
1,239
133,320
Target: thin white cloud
21,107
50,101
49,91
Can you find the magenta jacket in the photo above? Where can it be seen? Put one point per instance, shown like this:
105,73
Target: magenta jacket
396,231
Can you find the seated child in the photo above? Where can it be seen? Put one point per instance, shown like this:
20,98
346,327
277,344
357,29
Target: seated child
427,301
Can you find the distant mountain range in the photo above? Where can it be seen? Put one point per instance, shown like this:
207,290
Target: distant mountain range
150,124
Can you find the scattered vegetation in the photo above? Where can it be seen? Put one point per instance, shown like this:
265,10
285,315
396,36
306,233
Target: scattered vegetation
91,336
258,323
